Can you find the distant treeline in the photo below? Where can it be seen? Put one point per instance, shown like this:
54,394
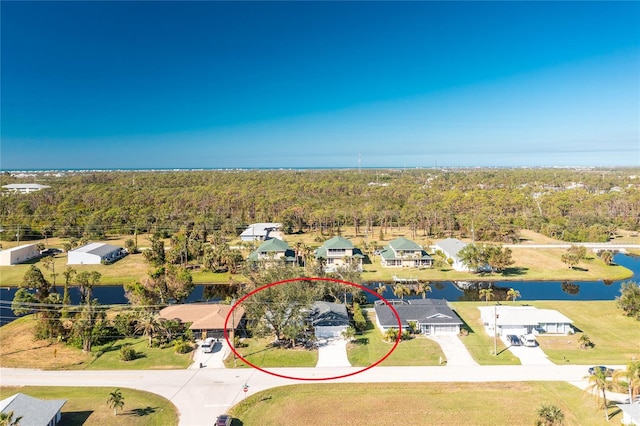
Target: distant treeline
572,205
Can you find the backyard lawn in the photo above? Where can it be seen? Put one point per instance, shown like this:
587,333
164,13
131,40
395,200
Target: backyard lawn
418,404
259,352
369,347
87,406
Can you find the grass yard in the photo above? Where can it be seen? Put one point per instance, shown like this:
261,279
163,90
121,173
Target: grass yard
418,404
479,344
19,349
616,337
259,352
369,348
87,406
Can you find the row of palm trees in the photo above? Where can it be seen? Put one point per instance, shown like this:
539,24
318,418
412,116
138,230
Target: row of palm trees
401,290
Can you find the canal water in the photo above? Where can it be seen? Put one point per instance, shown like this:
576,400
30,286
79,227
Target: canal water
451,291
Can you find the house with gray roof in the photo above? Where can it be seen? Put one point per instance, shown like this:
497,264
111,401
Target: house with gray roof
450,247
630,413
261,231
337,251
402,252
328,319
33,411
273,250
95,254
431,316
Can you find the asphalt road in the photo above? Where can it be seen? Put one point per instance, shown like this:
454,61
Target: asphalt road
202,394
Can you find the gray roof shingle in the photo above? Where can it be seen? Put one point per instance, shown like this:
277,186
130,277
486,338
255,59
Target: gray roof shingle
424,311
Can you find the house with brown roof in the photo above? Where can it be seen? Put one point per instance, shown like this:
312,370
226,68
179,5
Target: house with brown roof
207,319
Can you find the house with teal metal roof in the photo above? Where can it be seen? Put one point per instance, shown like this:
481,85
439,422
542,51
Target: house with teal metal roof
273,250
402,252
337,252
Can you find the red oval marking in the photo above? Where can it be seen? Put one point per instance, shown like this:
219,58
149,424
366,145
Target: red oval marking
395,313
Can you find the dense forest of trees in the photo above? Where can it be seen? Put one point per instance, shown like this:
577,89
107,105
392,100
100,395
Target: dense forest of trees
572,205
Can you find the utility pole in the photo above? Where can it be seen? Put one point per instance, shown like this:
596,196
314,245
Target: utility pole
233,330
495,330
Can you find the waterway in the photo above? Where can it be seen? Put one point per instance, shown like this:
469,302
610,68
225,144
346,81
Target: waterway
459,291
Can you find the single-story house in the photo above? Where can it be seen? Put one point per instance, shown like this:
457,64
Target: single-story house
451,247
272,250
95,254
24,188
431,316
19,254
521,320
207,319
336,251
34,411
261,231
402,252
630,413
328,319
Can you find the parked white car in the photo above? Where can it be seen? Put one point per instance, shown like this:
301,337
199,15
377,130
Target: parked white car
528,340
208,345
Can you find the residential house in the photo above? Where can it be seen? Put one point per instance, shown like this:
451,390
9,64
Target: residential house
207,319
271,251
24,188
451,247
337,251
630,413
261,232
33,411
402,252
430,316
329,320
95,254
519,320
19,254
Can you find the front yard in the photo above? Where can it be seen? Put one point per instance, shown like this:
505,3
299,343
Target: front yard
261,353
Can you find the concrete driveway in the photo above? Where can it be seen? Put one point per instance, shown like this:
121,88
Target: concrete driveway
211,360
528,355
455,352
333,353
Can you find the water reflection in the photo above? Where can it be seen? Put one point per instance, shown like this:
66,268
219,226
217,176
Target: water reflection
570,288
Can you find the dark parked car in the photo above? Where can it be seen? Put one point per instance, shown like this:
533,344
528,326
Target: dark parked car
50,252
607,371
513,339
223,420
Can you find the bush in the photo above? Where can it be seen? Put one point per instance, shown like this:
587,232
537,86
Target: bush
181,346
629,300
127,353
359,320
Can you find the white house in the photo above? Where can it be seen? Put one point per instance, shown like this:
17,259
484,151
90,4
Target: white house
261,231
33,411
18,254
630,413
95,254
24,188
431,316
451,247
521,320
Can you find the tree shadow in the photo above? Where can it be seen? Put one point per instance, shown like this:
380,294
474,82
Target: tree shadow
141,412
508,272
577,268
73,418
360,341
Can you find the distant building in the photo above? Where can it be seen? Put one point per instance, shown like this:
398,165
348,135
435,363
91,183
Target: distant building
24,188
273,250
95,254
19,254
34,411
451,247
402,252
261,231
337,251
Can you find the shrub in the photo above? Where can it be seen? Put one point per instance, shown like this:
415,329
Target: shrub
127,353
181,346
629,300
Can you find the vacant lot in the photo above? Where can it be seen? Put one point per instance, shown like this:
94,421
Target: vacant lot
417,404
88,406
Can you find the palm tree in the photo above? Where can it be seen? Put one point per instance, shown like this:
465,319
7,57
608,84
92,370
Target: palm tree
632,376
597,383
549,414
381,289
149,325
513,294
400,290
6,419
423,289
115,401
486,294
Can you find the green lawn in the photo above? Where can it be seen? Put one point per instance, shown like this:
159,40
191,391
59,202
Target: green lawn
151,358
418,404
479,344
260,353
369,347
87,406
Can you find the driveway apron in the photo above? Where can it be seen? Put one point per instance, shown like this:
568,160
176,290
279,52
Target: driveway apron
528,355
333,353
455,351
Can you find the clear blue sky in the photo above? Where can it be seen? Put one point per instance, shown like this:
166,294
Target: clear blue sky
299,84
